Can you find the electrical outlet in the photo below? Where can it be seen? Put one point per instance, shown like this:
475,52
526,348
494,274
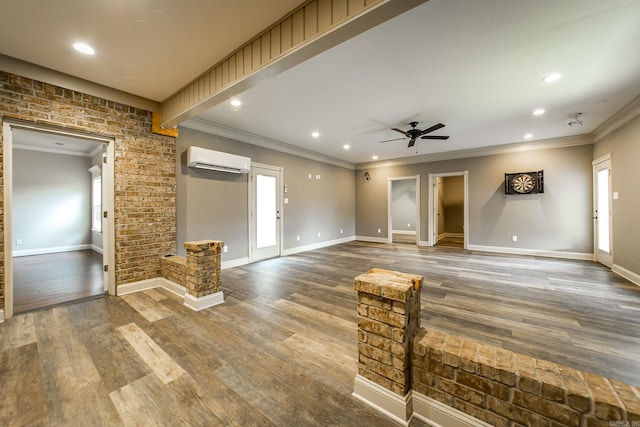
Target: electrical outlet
409,225
298,238
341,231
18,241
318,234
309,176
225,249
514,238
379,230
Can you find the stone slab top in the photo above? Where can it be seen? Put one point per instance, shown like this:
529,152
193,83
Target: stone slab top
201,245
389,284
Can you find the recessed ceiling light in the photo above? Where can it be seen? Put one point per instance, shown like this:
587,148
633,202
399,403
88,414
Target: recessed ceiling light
528,136
83,48
346,146
374,157
315,134
553,77
538,112
236,102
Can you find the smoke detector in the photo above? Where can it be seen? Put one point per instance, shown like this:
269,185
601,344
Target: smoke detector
574,119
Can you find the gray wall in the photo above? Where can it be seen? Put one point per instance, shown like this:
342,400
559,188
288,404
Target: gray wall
624,147
453,204
403,205
558,220
51,200
214,205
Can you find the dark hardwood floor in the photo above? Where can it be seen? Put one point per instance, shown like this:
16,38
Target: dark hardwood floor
282,348
45,280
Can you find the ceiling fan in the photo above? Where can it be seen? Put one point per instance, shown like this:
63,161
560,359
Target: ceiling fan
414,133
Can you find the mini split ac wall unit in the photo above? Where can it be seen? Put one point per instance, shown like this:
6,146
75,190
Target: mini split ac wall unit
201,158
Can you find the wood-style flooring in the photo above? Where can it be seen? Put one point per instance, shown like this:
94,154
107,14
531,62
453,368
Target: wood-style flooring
46,280
282,349
451,242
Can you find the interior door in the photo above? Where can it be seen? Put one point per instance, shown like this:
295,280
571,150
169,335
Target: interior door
602,215
266,212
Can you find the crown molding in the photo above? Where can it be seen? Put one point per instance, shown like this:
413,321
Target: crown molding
213,128
543,144
619,119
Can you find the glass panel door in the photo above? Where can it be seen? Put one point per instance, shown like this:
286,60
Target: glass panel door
265,212
602,216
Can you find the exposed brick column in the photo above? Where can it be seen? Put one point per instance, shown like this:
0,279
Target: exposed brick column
388,318
203,267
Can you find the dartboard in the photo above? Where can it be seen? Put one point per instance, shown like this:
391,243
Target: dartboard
523,183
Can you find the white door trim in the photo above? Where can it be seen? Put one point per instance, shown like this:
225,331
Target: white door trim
432,239
389,219
7,146
599,256
280,172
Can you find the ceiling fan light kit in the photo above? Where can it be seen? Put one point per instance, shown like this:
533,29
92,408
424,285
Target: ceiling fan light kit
415,133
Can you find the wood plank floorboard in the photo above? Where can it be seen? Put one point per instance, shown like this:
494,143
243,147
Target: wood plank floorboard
282,349
41,281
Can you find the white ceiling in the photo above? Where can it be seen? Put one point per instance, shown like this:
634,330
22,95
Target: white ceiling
474,65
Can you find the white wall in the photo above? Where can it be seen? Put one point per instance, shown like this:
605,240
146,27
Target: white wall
51,202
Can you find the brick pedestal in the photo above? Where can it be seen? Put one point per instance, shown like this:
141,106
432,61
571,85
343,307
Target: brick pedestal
203,267
388,318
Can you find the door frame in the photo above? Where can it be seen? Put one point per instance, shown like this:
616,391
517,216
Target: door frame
598,256
389,219
432,238
108,237
279,171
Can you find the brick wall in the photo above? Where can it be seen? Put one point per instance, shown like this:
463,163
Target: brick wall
510,389
144,169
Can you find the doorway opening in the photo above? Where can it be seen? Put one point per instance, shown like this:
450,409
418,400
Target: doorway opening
448,207
58,216
404,210
265,211
602,211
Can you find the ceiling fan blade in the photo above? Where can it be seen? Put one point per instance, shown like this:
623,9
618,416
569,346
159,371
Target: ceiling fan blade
411,143
399,130
389,140
432,128
434,137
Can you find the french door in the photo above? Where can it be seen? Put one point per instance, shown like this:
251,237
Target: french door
265,212
602,211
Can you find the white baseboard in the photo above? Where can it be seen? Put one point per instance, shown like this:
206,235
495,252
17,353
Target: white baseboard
392,405
142,285
533,252
407,232
424,243
627,274
444,235
234,263
437,414
97,249
319,245
197,304
192,302
372,239
54,250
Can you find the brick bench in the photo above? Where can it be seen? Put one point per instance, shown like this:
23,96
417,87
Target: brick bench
498,386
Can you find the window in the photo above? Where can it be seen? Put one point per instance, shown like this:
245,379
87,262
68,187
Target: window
96,199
